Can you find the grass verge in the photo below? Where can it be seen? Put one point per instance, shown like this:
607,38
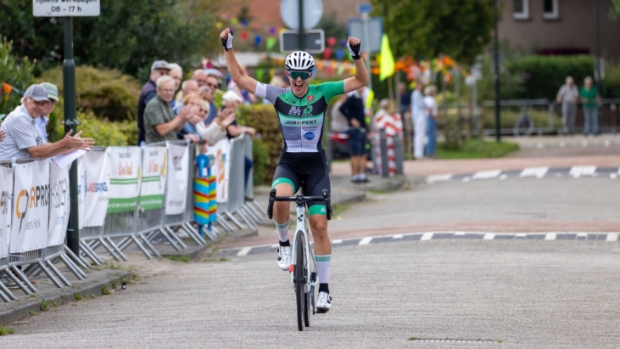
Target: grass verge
477,149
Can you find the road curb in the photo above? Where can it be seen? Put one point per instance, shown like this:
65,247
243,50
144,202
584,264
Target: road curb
66,295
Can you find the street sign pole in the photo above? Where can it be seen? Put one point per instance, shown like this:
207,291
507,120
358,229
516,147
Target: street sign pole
301,25
367,51
68,79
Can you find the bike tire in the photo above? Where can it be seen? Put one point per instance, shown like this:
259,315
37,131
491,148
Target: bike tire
307,301
299,285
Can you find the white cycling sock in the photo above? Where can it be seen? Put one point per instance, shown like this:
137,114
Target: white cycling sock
283,231
322,265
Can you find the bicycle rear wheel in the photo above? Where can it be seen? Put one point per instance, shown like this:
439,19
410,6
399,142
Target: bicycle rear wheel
299,280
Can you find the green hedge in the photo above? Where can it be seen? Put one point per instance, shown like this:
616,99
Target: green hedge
14,71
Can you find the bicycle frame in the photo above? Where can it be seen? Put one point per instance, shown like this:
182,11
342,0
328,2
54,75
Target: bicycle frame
301,228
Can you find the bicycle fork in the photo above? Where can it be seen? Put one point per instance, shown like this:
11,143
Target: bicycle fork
312,278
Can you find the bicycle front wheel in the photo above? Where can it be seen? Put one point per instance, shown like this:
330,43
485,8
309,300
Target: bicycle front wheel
299,280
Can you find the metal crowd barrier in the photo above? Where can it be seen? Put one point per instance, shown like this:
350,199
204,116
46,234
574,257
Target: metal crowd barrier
608,116
18,267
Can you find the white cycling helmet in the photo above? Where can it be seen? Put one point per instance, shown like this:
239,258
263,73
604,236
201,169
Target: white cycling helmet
300,61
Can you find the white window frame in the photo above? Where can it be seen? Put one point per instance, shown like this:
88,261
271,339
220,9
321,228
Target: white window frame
552,15
526,11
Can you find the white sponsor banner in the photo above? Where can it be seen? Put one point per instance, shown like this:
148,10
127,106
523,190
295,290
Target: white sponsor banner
153,177
31,207
60,205
221,167
178,167
96,183
124,178
6,188
81,191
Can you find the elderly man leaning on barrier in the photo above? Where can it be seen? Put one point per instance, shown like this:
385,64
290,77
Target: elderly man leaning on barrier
158,69
160,124
52,95
23,137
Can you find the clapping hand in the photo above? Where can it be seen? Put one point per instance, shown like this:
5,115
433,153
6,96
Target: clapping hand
225,117
77,142
1,135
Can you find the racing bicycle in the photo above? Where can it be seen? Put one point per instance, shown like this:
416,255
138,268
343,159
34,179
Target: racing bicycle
303,271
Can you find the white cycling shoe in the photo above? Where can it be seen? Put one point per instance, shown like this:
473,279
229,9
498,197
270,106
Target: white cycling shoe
284,257
324,303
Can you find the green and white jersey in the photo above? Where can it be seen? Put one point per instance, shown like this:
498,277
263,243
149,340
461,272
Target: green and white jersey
301,119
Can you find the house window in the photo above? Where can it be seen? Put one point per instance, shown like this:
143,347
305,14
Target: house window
521,9
550,9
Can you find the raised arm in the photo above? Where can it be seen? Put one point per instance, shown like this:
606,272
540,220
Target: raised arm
234,68
361,77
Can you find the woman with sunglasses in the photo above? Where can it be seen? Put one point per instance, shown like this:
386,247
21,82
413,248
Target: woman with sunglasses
301,111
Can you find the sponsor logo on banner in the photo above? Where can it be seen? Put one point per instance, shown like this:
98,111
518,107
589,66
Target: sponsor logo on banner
96,183
6,187
36,197
178,172
153,178
221,168
125,164
59,205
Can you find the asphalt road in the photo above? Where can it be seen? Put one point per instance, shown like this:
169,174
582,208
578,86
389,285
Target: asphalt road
515,295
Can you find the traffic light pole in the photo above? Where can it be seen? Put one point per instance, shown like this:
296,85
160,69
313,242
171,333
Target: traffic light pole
68,78
301,26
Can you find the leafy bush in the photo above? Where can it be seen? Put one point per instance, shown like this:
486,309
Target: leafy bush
101,130
610,87
260,154
264,119
14,71
107,93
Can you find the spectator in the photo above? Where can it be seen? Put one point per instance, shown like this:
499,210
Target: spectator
1,135
353,110
231,101
52,95
213,84
590,99
418,113
194,102
201,77
187,88
216,131
176,73
567,95
23,137
339,122
158,69
405,98
160,124
431,121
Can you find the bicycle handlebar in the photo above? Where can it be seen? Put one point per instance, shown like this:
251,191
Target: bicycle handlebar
300,199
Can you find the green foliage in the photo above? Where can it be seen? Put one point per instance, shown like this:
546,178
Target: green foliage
45,305
511,82
610,86
332,28
130,35
476,149
543,75
5,331
101,130
428,28
107,93
105,290
184,259
260,153
264,119
16,72
78,297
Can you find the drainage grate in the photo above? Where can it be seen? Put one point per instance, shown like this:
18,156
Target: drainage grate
448,340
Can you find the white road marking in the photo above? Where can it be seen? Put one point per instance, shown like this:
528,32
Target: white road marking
466,179
487,174
582,235
550,236
275,245
426,236
612,237
502,177
244,251
607,143
538,172
336,242
397,236
520,235
366,240
488,236
438,178
613,176
578,171
459,233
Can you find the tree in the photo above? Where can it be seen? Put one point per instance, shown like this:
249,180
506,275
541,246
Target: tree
15,72
428,28
128,35
332,27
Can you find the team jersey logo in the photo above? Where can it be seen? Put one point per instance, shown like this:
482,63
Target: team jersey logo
310,98
309,136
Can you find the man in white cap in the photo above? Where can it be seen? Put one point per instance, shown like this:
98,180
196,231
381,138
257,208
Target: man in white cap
23,137
52,95
149,91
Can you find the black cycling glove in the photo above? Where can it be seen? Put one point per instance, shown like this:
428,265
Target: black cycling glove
355,50
227,42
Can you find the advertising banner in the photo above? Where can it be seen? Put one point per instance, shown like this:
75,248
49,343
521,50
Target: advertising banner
81,191
124,178
153,177
31,206
221,167
60,205
178,167
96,183
6,188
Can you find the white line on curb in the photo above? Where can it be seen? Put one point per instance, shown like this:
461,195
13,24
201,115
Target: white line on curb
486,174
612,237
459,233
397,236
244,251
365,241
538,172
438,178
550,236
337,242
488,236
578,171
426,236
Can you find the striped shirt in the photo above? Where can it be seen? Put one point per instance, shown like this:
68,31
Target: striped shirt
21,133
